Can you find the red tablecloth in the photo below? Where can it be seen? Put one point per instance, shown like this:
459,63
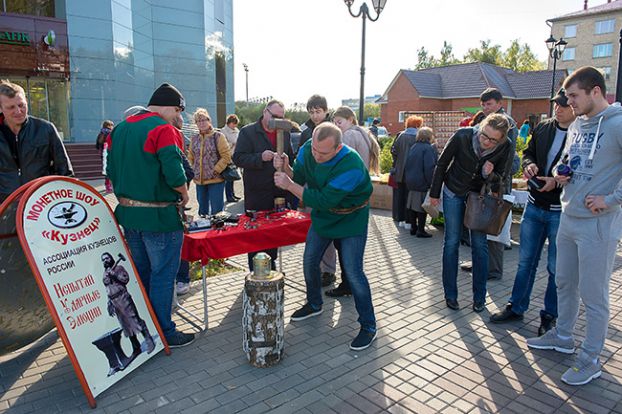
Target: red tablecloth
276,230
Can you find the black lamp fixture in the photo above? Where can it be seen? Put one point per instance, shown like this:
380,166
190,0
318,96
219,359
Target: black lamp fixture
378,6
556,50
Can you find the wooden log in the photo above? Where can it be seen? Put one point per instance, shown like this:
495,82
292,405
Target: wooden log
262,320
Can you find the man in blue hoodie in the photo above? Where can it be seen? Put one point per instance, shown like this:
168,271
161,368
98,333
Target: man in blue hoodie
590,225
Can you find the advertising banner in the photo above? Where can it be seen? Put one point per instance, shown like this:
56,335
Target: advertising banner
88,280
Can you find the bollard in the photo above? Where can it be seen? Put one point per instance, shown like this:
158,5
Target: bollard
262,318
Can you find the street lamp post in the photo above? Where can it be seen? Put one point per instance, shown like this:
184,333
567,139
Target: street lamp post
556,49
364,14
246,70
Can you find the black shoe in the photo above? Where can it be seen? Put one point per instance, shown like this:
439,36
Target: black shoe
423,235
305,312
413,231
467,267
506,315
479,306
338,292
327,278
452,304
546,323
494,277
363,340
179,339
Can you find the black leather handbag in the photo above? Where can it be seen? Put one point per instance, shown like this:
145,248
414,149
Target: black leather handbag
231,173
486,213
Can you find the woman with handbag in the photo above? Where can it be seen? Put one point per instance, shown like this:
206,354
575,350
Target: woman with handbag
209,155
471,157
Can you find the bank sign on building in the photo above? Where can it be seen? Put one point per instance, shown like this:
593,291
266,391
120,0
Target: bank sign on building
83,61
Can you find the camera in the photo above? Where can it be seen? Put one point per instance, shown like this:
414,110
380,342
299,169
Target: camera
535,184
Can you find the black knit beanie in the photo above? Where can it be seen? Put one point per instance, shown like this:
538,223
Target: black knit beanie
167,95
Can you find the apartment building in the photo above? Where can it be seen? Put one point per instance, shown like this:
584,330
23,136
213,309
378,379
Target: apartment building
593,36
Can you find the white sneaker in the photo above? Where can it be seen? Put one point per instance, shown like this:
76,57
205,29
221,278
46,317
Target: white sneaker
183,288
401,224
408,226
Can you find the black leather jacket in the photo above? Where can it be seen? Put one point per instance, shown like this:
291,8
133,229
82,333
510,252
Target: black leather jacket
258,178
537,152
40,152
461,170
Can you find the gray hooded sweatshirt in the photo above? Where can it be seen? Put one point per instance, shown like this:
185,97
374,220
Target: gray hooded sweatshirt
596,163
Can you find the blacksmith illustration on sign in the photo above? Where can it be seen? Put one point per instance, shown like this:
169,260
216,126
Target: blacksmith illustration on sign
121,305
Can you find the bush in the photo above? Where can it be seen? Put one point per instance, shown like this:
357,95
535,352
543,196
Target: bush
386,159
520,147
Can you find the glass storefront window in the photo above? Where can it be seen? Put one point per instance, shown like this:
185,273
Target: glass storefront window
57,106
47,99
31,7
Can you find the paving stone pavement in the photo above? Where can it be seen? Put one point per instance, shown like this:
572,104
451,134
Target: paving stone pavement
426,359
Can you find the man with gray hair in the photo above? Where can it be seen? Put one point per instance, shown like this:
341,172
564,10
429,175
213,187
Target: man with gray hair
254,151
30,147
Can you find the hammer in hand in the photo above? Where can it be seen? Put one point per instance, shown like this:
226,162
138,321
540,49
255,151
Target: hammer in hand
280,125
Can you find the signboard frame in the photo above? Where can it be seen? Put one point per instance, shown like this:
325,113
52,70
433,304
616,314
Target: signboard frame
26,192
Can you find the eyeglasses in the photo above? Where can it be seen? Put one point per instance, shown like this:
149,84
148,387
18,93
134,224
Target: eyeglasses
272,115
487,138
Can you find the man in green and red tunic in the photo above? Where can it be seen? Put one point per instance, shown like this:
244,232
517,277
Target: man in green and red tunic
337,189
146,170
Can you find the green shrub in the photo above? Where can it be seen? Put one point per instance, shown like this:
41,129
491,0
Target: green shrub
386,159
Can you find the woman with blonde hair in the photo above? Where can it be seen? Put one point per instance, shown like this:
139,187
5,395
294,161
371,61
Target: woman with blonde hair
209,154
358,138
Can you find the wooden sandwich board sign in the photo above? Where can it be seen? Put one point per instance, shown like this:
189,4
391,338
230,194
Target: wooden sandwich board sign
90,285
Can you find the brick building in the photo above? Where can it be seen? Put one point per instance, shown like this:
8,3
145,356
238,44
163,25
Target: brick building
458,87
592,35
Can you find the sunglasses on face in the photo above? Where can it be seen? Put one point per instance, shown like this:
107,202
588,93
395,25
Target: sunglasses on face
272,115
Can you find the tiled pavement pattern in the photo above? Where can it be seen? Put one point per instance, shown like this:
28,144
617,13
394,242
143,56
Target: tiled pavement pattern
427,358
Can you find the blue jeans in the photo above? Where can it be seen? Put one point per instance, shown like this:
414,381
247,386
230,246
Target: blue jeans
453,211
156,256
229,193
211,198
351,251
537,225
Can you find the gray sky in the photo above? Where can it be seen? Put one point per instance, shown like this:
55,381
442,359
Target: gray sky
295,48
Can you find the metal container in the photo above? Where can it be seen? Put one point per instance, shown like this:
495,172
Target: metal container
262,264
279,204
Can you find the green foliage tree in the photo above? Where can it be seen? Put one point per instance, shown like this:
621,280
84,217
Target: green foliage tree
447,55
424,59
485,53
248,112
520,58
372,109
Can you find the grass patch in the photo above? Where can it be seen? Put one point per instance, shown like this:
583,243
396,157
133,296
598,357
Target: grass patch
214,267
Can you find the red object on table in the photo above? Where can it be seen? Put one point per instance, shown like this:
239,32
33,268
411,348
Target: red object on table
274,230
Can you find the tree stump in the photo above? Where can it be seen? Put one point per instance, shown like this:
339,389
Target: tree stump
262,319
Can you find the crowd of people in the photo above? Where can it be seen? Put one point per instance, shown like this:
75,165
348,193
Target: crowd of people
572,162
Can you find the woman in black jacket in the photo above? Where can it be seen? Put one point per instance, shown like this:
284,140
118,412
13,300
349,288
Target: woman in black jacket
471,157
